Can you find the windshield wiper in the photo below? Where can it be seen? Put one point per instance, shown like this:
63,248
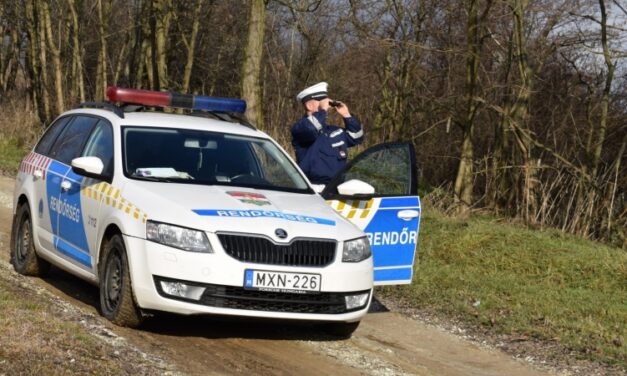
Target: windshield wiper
157,179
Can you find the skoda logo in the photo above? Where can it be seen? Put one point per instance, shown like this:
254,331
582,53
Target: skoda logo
280,233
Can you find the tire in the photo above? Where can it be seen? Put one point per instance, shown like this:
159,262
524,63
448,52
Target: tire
23,255
116,295
343,330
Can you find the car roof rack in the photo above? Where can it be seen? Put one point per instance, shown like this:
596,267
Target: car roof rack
105,106
231,117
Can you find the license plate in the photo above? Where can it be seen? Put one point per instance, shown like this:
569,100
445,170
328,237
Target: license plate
298,283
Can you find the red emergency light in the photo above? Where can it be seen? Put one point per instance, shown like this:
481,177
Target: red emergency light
177,100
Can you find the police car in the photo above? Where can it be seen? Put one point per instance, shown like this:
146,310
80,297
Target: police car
204,214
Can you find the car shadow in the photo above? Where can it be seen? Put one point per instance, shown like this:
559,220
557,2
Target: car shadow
205,326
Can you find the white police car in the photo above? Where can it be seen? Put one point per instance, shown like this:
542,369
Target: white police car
203,214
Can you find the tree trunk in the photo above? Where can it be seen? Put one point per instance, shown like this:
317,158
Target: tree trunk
32,59
56,58
605,98
464,180
77,56
101,66
251,69
520,115
384,118
191,47
150,67
10,62
499,188
121,60
43,64
162,13
3,57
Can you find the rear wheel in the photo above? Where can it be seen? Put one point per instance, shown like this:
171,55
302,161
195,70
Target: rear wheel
342,330
23,255
116,295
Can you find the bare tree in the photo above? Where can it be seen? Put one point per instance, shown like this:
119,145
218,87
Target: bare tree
464,182
251,67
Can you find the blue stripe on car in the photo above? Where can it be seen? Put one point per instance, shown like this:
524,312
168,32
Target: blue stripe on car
72,252
401,274
400,202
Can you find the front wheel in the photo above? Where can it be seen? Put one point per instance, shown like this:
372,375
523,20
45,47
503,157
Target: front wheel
23,255
342,330
116,295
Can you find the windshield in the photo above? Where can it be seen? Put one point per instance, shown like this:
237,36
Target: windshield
200,157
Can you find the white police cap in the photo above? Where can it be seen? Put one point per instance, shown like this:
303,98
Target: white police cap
317,92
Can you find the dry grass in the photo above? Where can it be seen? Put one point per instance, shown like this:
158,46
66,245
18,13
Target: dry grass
40,338
19,130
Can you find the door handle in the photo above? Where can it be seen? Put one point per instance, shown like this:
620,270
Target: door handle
38,174
66,185
408,215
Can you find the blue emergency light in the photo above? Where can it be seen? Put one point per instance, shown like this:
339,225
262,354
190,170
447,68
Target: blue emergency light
177,100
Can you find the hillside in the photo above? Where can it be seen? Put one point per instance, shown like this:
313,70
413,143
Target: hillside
535,291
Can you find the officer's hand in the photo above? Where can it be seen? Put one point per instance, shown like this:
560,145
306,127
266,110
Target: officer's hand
324,104
342,109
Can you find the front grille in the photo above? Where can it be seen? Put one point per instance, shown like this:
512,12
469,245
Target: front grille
263,251
239,298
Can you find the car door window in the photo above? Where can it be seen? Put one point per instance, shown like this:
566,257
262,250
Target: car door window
389,168
70,143
53,131
100,144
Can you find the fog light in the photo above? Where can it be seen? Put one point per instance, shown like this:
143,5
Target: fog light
356,301
182,290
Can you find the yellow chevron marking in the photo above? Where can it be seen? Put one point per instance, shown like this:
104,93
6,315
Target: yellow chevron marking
104,187
364,213
110,191
340,205
351,214
117,194
122,202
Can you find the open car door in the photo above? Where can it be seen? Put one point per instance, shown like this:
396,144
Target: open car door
377,191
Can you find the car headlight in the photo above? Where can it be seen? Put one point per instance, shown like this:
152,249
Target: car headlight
178,237
356,250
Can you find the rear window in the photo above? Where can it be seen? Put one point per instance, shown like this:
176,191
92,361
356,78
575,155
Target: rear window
69,144
53,131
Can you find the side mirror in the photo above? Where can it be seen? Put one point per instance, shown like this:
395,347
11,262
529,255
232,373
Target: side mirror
355,187
88,166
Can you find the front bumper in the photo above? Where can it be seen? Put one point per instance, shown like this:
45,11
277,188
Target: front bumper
222,277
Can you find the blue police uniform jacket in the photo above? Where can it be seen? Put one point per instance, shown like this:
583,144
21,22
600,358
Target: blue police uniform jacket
322,149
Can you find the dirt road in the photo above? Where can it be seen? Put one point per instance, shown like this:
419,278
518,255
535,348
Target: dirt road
386,343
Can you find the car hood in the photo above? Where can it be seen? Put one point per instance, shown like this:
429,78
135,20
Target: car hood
242,210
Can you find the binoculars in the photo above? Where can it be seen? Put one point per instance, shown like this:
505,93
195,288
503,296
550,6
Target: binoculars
335,104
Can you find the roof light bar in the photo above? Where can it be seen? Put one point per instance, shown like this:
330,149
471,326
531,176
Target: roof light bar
167,99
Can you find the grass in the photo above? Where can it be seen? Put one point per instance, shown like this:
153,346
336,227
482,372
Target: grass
37,338
11,153
528,283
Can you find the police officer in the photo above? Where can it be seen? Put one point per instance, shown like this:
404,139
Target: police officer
322,149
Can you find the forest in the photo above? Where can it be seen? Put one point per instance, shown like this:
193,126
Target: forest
517,108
